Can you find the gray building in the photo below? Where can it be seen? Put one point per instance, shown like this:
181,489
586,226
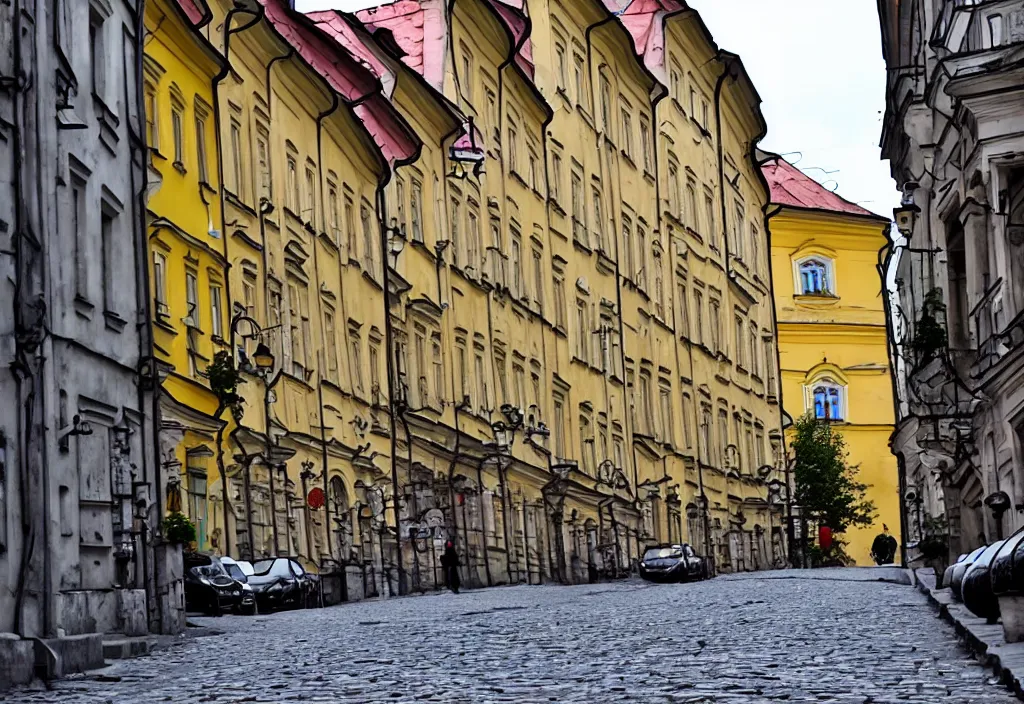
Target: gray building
78,496
954,135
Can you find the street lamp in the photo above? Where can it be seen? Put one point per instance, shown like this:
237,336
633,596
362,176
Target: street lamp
263,358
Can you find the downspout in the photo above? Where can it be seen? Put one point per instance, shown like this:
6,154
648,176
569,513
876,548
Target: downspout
221,75
320,382
389,334
483,530
267,386
146,350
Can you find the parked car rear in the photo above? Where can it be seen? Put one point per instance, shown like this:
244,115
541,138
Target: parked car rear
247,604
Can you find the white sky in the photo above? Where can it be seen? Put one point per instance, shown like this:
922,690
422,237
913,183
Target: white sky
818,67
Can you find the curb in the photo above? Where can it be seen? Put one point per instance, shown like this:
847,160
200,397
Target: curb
985,641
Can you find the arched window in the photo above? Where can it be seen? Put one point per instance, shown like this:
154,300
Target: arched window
815,277
827,397
339,498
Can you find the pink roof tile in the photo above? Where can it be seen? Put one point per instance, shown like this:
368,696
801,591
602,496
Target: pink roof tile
347,74
418,27
195,10
791,186
644,20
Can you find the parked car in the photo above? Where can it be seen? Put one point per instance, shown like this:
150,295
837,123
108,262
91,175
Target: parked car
208,586
280,583
672,563
956,579
247,605
977,585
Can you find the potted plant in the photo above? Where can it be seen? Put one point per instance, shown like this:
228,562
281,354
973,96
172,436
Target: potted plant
178,529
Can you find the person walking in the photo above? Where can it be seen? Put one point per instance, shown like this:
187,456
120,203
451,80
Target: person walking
450,563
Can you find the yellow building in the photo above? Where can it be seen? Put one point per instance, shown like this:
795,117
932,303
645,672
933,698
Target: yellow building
520,305
832,334
188,267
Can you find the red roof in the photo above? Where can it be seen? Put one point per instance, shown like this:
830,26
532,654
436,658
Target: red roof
791,186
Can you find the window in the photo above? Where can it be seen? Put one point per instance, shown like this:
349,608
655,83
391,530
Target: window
709,214
580,76
79,231
538,280
532,169
675,80
814,277
108,252
373,358
740,347
691,205
559,426
688,420
369,250
350,228
292,184
519,379
461,368
333,214
275,309
641,260
587,450
453,226
736,230
646,406
659,305
716,325
827,397
216,311
517,267
160,283
201,153
606,106
355,345
579,217
698,316
98,53
645,144
192,299
178,130
152,118
684,309
627,247
416,211
558,285
295,329
501,373
627,129
560,64
473,238
236,157
755,249
263,161
674,201
438,361
769,361
556,176
467,76
665,399
595,197
481,379
582,330
513,147
755,368
309,213
331,346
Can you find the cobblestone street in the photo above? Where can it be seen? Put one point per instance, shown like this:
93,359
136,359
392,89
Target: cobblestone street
730,640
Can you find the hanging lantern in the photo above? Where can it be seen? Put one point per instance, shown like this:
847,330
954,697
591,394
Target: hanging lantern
825,537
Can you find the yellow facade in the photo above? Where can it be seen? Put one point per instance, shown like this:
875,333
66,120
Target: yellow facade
563,227
833,342
188,272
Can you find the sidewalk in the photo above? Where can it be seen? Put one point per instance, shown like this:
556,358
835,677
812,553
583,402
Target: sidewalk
984,640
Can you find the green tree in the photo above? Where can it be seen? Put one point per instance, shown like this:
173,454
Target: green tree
826,486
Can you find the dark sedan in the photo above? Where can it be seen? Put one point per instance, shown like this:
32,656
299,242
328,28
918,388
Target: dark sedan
208,586
280,583
672,563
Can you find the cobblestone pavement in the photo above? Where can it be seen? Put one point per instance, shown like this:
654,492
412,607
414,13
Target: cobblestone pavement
727,641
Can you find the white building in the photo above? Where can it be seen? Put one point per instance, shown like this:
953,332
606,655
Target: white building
954,133
78,499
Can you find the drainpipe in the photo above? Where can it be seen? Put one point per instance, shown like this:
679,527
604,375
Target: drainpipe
480,505
221,75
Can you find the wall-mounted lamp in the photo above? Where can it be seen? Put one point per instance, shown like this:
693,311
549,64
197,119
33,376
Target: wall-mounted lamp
77,427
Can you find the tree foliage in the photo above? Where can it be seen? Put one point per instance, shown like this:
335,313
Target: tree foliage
929,333
224,380
826,486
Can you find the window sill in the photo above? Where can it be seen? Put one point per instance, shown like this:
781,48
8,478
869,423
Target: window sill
83,307
816,300
113,321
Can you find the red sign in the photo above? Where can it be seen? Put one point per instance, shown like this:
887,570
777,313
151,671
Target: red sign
316,498
825,537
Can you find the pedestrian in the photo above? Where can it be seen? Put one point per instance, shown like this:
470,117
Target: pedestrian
450,564
883,549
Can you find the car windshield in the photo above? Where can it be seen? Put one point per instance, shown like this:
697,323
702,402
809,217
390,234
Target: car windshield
272,568
657,553
214,569
235,572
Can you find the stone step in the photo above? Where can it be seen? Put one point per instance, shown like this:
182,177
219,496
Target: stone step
118,647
